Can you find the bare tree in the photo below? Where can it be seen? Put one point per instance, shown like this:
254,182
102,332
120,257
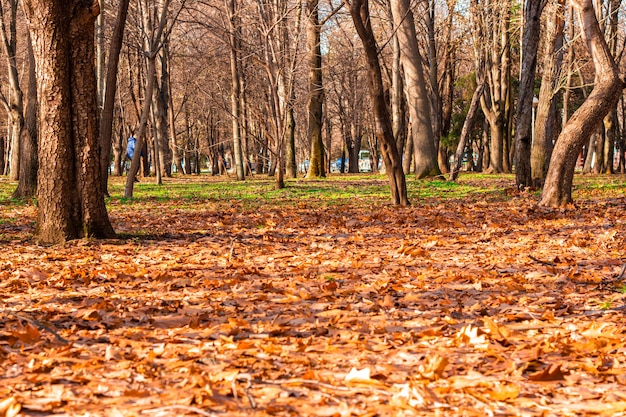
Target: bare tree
154,38
547,126
359,10
27,183
110,88
15,102
607,89
492,40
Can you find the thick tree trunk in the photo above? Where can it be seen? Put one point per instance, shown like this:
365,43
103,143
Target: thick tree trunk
70,194
524,123
425,152
608,87
393,163
316,92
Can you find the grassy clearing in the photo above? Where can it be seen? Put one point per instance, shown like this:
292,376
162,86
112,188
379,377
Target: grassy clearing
335,190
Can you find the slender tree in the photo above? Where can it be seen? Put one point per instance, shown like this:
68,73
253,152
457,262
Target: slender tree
27,184
153,42
15,102
110,88
359,10
524,127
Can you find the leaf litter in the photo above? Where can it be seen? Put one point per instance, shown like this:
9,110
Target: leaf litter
474,306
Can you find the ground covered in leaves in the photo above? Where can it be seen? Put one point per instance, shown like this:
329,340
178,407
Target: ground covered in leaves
472,301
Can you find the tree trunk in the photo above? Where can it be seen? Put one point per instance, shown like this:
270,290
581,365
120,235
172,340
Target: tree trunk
235,91
316,92
110,88
359,11
291,167
524,123
154,42
16,100
492,43
547,124
466,131
610,139
27,185
161,111
607,89
70,193
100,56
397,97
424,150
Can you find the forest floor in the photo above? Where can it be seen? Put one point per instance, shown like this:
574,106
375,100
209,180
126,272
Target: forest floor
232,299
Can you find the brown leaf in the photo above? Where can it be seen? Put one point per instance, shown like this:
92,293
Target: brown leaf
550,373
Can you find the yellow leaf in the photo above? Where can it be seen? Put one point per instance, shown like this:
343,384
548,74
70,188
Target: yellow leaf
9,407
503,391
433,367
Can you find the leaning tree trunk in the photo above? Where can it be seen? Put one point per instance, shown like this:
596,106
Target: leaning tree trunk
70,193
524,122
608,87
110,87
466,131
393,163
425,152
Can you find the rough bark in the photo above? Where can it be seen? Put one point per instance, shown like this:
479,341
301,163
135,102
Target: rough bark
359,10
70,194
607,89
524,122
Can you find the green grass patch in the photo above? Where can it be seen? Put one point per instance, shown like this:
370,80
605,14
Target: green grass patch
335,190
